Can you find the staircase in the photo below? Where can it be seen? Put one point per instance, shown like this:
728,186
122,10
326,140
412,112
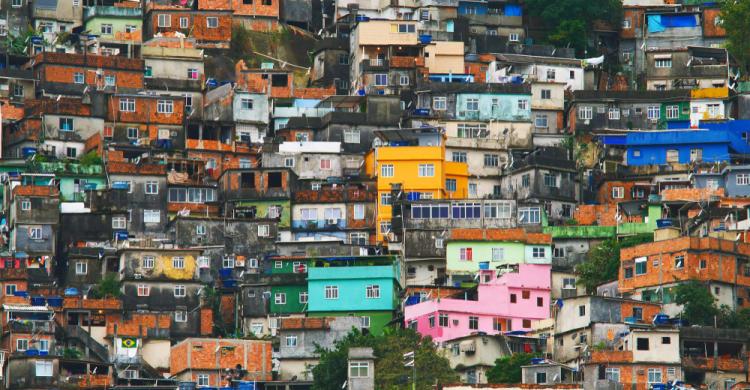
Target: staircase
92,346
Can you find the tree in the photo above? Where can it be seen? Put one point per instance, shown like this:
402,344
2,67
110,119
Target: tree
571,20
698,305
735,19
602,265
508,369
388,348
109,287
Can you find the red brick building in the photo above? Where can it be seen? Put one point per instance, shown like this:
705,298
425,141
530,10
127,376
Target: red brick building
205,360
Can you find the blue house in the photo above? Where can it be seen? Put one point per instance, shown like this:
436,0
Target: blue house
364,286
735,179
679,146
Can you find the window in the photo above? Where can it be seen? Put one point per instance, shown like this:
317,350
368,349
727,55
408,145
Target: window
641,265
106,29
78,78
144,290
550,180
663,63
513,298
203,380
44,368
148,71
381,79
325,164
372,291
164,20
618,192
465,254
127,105
22,344
386,170
581,310
359,369
497,210
279,298
151,216
35,233
673,112
513,37
443,320
343,59
246,104
529,215
673,155
403,80
351,136
498,254
66,124
192,74
426,170
200,230
525,181
642,344
473,322
178,262
152,187
331,292
385,199
546,94
654,375
71,152
10,289
404,28
179,290
25,205
666,340
491,160
291,341
743,179
540,302
586,113
450,185
614,114
264,231
184,22
466,210
653,112
459,157
538,252
523,104
466,130
17,90
132,133
212,22
130,28
44,345
16,3
472,104
165,106
82,268
541,378
612,374
439,103
540,121
359,211
109,80
148,262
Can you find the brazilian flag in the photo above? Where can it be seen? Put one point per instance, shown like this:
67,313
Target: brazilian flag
129,342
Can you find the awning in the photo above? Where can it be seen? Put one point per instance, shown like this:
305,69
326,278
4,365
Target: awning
26,308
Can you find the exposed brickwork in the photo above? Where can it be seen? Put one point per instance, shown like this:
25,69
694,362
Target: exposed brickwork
207,321
691,194
218,354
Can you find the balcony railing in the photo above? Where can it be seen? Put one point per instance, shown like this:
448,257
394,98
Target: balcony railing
374,65
30,326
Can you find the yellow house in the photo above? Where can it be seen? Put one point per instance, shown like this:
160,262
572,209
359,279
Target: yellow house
415,159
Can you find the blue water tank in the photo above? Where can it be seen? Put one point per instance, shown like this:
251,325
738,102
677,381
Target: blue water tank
245,385
186,385
484,265
37,301
28,152
55,301
71,291
425,39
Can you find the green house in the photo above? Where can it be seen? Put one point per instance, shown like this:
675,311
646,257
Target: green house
288,285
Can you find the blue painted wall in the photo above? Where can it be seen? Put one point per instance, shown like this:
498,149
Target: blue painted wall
505,110
716,145
352,283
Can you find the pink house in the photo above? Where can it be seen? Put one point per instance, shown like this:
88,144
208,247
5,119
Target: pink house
504,302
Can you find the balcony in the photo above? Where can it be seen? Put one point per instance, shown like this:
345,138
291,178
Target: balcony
163,83
110,11
30,326
374,65
721,363
335,224
405,62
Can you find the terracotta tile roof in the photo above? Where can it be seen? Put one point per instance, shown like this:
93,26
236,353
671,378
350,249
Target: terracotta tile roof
24,190
500,235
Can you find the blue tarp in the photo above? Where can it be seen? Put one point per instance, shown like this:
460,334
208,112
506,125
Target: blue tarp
513,10
659,23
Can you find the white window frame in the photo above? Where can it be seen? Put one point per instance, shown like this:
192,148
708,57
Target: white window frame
331,292
178,262
212,22
426,170
372,291
179,291
586,113
164,20
148,262
143,290
279,298
439,103
82,268
386,170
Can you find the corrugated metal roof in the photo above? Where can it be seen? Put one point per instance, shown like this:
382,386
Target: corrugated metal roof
26,308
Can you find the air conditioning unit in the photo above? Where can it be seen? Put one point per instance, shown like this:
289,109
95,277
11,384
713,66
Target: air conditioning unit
138,276
332,221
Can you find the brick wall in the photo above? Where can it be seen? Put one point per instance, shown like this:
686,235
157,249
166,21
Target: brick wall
218,354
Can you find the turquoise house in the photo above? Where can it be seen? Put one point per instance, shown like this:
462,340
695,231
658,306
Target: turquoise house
493,106
366,286
74,179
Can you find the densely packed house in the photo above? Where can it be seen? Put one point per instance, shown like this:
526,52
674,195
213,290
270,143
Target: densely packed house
206,192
